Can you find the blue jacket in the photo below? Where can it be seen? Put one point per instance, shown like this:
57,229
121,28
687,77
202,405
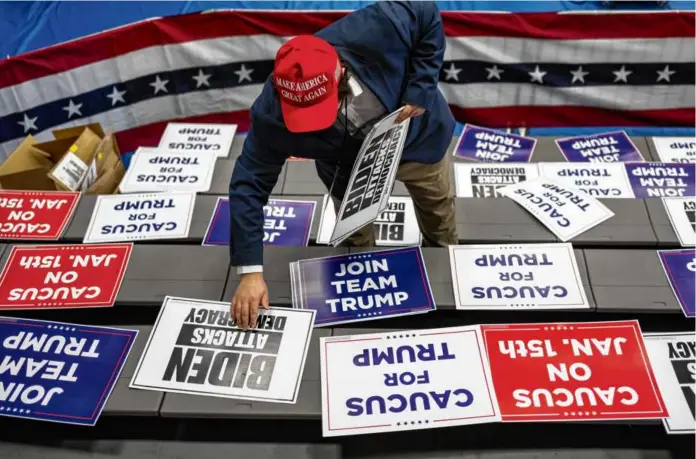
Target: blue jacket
396,50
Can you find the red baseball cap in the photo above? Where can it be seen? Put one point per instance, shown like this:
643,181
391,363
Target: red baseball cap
306,75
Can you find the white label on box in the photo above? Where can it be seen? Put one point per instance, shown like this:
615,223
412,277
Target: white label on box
70,171
91,176
215,139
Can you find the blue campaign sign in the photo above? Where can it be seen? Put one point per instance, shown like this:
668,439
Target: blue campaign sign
680,268
363,286
286,222
58,372
607,147
662,180
491,146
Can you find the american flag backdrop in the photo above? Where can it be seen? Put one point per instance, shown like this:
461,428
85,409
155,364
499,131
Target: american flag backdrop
500,70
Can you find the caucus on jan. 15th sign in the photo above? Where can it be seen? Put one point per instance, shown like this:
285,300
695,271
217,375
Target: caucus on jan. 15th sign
147,216
525,276
363,286
35,215
196,348
424,379
59,372
215,139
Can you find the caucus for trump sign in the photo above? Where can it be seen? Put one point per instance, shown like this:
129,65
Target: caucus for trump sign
35,215
386,382
566,211
153,169
675,149
489,145
372,178
530,276
196,348
608,147
215,139
58,372
572,372
131,217
363,286
596,180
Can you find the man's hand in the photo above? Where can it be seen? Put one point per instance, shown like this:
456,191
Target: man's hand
409,111
251,292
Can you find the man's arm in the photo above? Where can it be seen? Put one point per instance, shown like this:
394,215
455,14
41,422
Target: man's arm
255,174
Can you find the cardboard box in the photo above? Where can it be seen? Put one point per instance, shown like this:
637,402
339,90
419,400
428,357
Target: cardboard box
80,158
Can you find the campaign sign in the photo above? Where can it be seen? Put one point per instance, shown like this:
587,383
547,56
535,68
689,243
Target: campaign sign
680,268
564,210
395,226
198,137
525,276
607,147
682,215
132,217
675,149
58,372
661,180
484,180
596,180
35,215
63,276
372,178
286,222
153,169
572,372
492,146
363,286
673,359
385,382
196,348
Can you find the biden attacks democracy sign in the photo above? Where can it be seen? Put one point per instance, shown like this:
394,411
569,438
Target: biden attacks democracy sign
363,286
414,380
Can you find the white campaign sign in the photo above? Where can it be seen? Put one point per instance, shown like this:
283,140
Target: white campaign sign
525,276
196,348
423,379
565,211
484,180
395,226
599,180
153,169
673,360
682,215
372,178
131,217
197,137
675,149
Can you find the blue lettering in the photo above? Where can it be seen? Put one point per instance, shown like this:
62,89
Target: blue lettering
513,260
419,352
510,292
141,228
165,179
399,403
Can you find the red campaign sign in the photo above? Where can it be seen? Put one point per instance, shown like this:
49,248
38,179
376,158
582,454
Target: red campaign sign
572,372
63,276
35,215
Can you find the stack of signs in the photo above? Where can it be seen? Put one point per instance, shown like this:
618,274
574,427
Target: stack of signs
372,178
492,146
35,215
682,215
396,226
287,222
132,217
675,149
596,180
660,180
196,348
215,139
58,372
386,382
608,147
673,359
564,210
363,286
530,276
680,268
153,169
484,180
572,372
63,276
